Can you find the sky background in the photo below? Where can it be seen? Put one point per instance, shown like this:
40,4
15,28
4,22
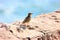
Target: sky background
12,10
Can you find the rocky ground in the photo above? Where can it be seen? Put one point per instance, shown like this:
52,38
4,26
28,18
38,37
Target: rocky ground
42,27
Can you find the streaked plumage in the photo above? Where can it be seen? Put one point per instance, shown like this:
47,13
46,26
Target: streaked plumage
28,18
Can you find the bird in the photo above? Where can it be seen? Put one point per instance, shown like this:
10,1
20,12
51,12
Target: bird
27,19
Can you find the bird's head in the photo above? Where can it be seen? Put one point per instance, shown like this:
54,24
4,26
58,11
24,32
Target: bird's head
29,14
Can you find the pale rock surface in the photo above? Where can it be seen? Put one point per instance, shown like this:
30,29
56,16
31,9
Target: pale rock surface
42,27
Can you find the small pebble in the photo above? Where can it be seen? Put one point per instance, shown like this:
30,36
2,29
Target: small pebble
30,28
28,38
57,21
36,26
57,11
53,16
11,31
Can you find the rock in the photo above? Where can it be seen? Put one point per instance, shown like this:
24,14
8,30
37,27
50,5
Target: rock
42,27
58,11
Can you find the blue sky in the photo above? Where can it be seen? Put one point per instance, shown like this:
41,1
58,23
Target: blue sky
11,10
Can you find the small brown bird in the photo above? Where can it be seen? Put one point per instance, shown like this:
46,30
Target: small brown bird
27,19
